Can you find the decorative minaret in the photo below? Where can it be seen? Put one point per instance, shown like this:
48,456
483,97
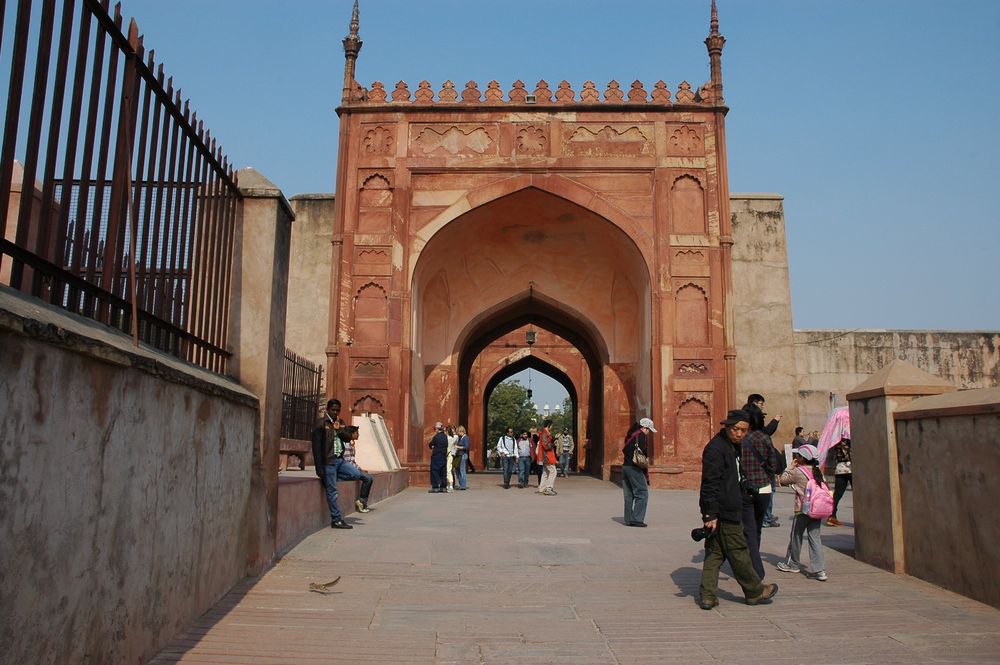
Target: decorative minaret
352,46
714,42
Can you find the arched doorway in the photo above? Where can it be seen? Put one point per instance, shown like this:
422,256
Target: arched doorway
533,258
505,372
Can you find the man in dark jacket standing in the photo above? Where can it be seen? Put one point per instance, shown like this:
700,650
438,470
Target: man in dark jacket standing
439,459
721,504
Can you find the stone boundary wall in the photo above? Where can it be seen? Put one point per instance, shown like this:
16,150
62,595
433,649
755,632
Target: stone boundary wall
307,320
948,468
302,508
830,363
125,486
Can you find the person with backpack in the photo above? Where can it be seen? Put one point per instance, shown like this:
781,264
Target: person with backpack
813,504
635,478
759,463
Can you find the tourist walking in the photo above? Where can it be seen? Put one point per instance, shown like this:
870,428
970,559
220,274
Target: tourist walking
721,503
565,446
523,459
759,463
439,458
462,457
843,476
536,467
507,450
805,467
547,460
635,476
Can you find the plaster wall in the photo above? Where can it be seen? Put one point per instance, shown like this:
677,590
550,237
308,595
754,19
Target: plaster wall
762,308
835,361
872,486
946,481
309,276
124,490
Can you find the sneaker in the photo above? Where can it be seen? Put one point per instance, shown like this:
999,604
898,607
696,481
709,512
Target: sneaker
361,507
450,490
708,603
769,592
771,523
340,524
550,492
786,568
821,576
639,524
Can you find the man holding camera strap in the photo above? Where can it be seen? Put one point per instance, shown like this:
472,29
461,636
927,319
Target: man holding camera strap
721,502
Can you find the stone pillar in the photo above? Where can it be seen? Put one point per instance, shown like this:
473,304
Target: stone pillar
262,240
878,521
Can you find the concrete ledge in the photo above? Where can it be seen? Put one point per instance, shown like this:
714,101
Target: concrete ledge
31,317
302,508
979,402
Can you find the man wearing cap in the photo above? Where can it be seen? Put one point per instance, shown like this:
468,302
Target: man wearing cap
439,458
635,479
721,503
565,445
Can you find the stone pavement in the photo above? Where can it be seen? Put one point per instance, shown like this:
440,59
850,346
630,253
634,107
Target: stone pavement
495,576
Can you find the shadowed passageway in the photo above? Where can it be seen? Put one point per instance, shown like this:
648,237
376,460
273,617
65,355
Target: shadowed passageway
495,576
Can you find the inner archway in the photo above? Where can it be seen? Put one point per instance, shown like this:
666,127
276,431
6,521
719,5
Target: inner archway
480,405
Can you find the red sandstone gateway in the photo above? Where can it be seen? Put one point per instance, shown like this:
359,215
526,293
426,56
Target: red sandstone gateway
599,218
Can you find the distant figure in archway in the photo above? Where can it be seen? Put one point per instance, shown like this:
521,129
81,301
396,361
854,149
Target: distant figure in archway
523,459
507,450
547,459
565,446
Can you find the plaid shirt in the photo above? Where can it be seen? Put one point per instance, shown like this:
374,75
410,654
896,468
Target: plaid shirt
750,461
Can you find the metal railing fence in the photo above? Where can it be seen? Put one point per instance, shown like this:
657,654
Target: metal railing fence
116,203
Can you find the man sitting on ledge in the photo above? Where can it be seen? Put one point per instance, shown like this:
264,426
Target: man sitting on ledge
350,470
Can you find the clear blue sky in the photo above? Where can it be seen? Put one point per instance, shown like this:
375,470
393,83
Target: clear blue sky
877,120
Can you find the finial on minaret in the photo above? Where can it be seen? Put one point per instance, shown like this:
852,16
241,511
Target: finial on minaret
715,42
352,46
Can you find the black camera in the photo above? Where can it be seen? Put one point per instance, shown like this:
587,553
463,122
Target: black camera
701,533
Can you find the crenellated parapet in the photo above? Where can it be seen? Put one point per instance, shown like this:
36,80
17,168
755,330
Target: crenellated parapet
519,93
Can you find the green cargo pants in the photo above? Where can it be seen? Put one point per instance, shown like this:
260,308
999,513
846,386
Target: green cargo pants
728,543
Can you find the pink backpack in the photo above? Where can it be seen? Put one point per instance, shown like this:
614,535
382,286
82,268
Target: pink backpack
818,500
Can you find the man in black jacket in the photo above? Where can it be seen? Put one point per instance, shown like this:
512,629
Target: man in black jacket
721,504
755,408
328,456
439,458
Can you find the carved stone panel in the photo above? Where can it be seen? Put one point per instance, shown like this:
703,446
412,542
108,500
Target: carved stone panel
377,141
451,140
690,262
691,310
685,140
617,140
375,260
687,206
531,139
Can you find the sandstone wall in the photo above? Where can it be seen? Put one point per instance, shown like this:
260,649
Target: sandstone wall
830,363
947,486
765,361
308,314
125,481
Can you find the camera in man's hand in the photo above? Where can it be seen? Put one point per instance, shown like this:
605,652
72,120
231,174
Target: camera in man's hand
701,533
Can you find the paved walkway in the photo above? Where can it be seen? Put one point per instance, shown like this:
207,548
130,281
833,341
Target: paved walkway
495,576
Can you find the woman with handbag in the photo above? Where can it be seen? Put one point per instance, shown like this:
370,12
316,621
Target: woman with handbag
635,472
